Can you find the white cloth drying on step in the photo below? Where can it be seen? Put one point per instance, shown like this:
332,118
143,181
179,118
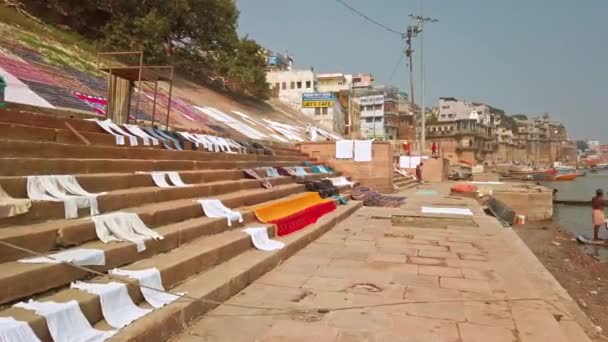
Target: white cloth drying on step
344,149
300,171
78,256
117,306
261,241
160,180
149,279
363,150
120,139
116,128
121,226
62,188
145,137
66,322
215,208
176,179
272,172
12,330
341,181
447,211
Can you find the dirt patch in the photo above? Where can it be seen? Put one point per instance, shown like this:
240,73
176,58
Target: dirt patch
369,287
585,279
431,222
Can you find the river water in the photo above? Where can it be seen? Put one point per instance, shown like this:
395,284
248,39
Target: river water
577,219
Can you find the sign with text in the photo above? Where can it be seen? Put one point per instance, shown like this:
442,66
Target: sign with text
369,100
317,100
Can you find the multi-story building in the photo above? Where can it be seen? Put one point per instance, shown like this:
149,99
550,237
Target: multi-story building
451,109
407,124
378,111
289,85
333,83
325,109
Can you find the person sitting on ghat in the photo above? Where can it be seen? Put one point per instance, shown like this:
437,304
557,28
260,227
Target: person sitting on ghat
599,219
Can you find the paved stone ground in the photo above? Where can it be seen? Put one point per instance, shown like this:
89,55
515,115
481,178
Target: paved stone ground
455,283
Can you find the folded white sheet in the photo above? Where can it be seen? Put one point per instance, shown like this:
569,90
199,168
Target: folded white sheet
215,208
117,306
78,256
344,149
121,226
149,281
341,181
261,241
12,330
448,211
66,322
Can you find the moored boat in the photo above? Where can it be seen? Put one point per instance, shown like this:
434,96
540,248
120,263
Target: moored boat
565,177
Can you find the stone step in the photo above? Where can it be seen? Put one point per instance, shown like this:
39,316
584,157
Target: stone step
47,166
16,186
51,235
42,149
175,267
133,197
19,280
223,281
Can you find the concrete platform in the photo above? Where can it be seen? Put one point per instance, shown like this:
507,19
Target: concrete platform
367,280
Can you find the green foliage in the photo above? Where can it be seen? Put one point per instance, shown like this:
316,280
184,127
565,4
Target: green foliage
198,36
582,145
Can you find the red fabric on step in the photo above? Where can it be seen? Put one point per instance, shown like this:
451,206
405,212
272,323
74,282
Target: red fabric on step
301,219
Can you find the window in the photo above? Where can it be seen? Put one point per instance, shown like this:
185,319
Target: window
307,84
369,108
361,108
369,119
378,107
292,85
283,85
317,111
299,84
324,110
277,85
378,119
445,107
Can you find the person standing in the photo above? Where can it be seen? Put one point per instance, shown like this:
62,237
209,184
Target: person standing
599,218
419,172
434,149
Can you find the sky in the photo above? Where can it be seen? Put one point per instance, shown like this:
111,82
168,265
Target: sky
523,56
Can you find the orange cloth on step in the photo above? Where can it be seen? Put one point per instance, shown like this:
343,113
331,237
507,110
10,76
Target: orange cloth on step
290,206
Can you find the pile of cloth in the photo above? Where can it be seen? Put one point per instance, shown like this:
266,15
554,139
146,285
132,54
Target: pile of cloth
324,187
251,174
10,206
294,213
373,198
319,168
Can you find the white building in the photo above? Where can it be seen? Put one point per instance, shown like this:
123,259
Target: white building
325,109
371,109
451,109
291,84
333,83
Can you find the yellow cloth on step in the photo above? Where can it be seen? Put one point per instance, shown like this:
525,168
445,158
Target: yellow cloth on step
10,207
274,211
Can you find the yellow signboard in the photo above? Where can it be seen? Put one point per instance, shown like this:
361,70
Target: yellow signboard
317,104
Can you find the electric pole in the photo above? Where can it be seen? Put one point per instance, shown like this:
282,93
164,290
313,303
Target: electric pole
421,19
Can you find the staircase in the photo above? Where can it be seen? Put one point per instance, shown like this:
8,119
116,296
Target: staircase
401,182
199,255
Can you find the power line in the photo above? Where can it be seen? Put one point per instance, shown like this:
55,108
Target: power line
401,55
369,19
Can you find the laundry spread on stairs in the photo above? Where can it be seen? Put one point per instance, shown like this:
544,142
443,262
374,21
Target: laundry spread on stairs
117,306
341,181
146,138
160,178
363,150
447,211
215,208
344,149
12,330
121,226
250,173
77,256
10,206
373,198
295,213
272,172
286,171
261,241
62,188
151,286
66,322
300,171
324,188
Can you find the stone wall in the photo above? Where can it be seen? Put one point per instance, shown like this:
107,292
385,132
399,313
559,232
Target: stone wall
534,202
435,170
377,174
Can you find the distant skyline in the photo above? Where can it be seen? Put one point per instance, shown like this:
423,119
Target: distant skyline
522,56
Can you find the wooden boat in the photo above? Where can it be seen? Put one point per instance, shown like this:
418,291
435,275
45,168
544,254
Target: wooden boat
584,240
565,177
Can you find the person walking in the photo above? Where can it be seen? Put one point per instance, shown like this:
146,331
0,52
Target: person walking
419,172
434,149
599,218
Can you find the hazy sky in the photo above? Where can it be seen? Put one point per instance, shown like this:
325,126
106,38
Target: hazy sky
524,56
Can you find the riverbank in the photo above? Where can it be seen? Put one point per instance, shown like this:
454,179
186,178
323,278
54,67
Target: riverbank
585,279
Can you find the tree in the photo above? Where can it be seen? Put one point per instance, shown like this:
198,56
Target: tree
582,145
